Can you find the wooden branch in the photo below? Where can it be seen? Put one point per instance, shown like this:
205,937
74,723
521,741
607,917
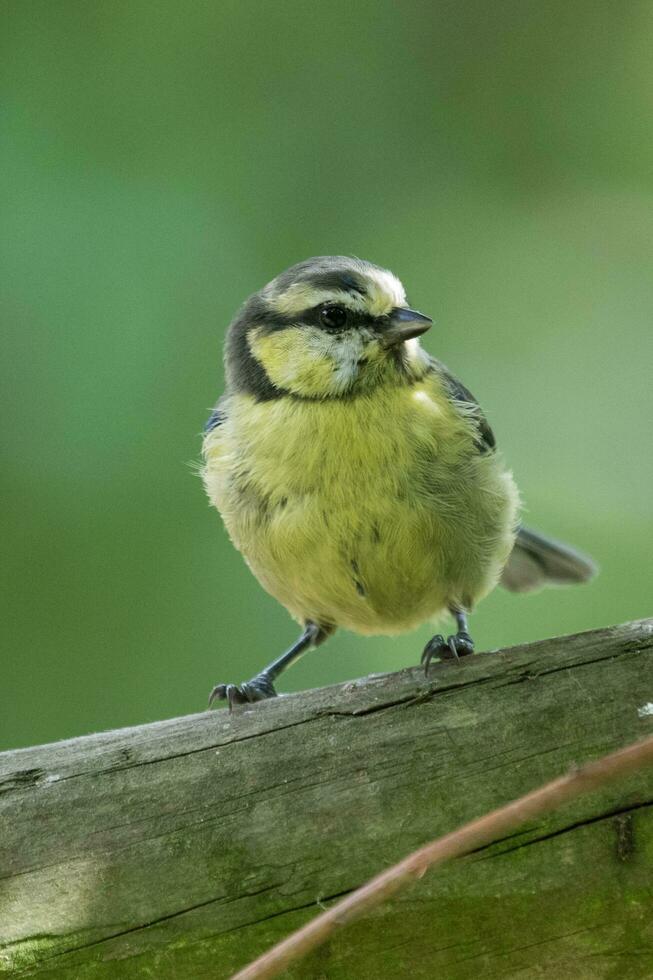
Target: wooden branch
186,848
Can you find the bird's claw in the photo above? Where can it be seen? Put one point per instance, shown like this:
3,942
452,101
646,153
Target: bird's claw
432,649
258,689
453,648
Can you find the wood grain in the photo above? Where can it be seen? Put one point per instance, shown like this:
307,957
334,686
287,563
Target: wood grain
185,848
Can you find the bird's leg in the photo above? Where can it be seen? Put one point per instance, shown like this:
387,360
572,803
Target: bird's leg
461,644
454,647
261,686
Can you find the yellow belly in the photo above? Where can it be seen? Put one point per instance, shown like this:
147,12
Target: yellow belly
374,514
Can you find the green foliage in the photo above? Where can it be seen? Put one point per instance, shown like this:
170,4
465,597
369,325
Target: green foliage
161,162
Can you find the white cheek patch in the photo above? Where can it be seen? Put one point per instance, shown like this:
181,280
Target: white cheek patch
343,351
348,353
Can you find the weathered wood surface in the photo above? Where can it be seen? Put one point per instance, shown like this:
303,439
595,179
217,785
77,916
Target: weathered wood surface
184,848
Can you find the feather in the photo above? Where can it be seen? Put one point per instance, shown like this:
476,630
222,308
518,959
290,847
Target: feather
536,561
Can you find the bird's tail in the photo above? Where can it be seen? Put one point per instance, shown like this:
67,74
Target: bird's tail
536,561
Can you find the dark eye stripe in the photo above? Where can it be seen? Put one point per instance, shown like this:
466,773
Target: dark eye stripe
271,321
313,318
258,312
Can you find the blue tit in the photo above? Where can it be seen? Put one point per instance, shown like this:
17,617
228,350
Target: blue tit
359,479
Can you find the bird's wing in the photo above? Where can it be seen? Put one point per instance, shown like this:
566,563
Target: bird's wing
217,416
458,393
536,561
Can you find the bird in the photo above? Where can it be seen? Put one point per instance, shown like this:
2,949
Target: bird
357,476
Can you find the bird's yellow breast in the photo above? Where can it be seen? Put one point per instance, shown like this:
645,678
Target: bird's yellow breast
373,513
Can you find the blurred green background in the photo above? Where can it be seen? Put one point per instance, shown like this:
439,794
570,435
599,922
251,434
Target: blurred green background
160,162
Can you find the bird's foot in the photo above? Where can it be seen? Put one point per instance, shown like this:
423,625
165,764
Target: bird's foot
453,648
258,689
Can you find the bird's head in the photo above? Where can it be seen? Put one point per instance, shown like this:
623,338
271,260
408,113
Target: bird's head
325,328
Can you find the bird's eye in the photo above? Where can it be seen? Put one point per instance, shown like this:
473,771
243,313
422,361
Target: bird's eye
333,317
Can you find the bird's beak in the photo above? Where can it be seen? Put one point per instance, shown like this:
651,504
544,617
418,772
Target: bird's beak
404,324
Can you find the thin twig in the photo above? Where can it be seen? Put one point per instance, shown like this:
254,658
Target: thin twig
461,841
